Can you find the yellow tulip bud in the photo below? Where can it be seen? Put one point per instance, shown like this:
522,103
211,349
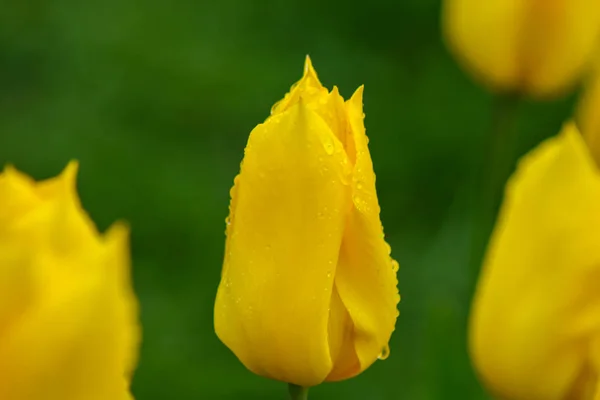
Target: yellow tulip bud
308,289
537,47
535,322
68,327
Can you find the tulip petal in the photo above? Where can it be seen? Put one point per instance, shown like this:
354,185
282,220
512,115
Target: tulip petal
538,47
272,307
484,36
74,358
309,88
366,277
562,37
535,309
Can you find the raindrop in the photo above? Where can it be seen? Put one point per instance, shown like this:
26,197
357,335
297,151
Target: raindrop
388,249
275,106
385,353
228,221
359,185
328,147
395,266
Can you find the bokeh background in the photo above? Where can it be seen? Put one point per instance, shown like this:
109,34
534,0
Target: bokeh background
157,98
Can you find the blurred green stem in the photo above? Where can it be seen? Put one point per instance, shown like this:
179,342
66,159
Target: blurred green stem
298,392
496,166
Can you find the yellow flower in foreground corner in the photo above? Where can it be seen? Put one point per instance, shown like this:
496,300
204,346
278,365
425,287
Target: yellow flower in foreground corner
68,318
536,47
535,323
308,289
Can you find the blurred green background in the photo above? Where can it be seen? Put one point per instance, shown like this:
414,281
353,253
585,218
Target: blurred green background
157,98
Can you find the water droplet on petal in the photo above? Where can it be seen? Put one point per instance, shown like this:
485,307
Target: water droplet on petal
328,147
395,266
388,248
228,221
385,353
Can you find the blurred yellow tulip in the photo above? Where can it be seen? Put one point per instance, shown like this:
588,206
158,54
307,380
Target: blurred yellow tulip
540,48
68,317
535,322
308,289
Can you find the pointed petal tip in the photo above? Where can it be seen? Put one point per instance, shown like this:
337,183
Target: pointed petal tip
309,69
69,174
356,101
359,92
307,65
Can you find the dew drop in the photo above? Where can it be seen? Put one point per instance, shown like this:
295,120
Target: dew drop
388,249
359,185
228,221
328,147
395,266
275,106
385,353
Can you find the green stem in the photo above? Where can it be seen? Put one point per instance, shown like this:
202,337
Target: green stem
298,392
497,165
